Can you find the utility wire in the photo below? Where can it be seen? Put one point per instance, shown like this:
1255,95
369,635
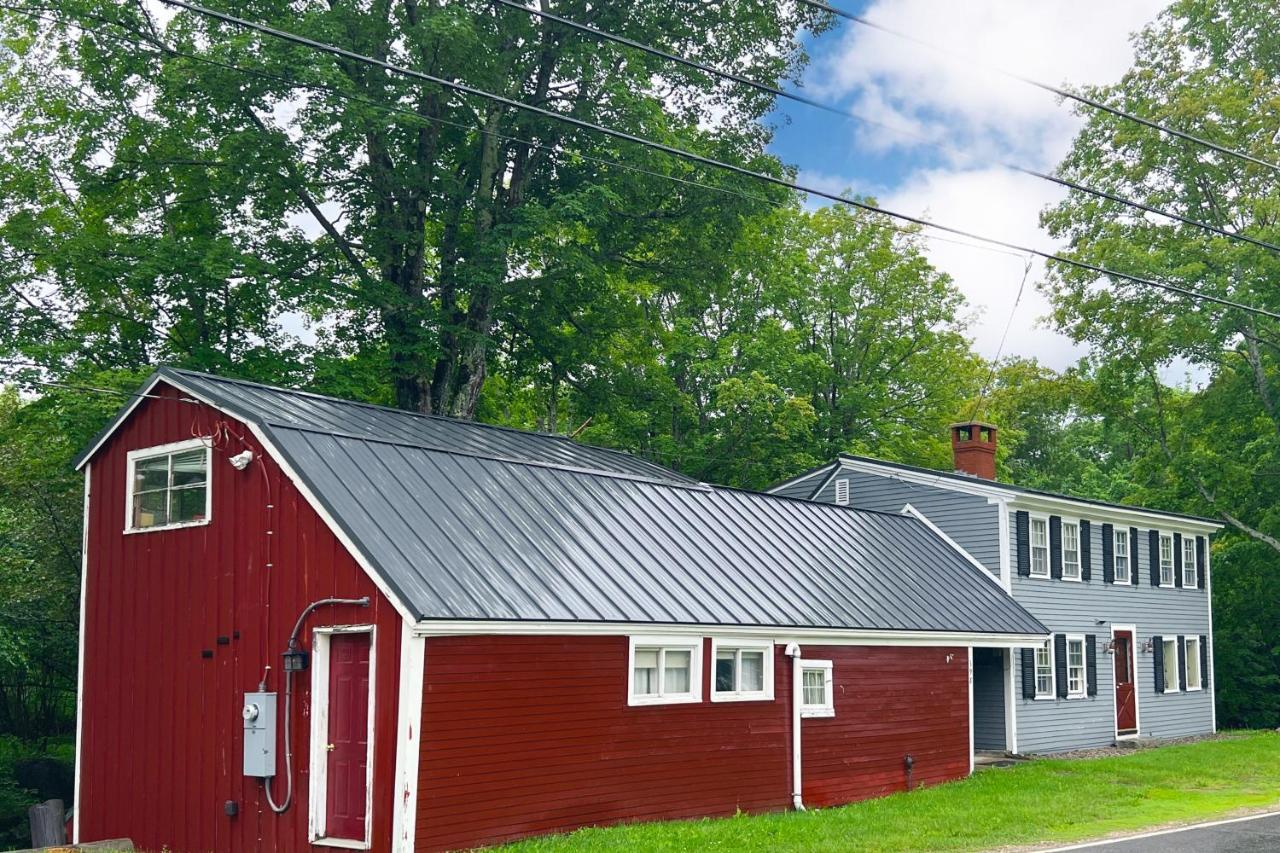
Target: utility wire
466,89
1056,90
995,362
775,91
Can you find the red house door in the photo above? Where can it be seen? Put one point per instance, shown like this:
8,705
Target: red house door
346,799
1126,702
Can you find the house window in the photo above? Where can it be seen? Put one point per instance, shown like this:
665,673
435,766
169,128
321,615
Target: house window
1070,550
168,486
665,670
1075,667
1170,666
816,694
1039,548
1122,556
1044,672
1194,681
743,670
1166,560
1189,561
842,491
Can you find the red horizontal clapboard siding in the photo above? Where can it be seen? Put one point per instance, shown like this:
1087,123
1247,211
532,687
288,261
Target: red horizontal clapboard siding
529,735
162,744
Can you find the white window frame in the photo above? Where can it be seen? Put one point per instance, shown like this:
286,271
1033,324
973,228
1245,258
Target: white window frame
719,644
1171,685
318,787
1062,548
1084,667
1031,542
133,457
1189,575
1121,535
1047,648
1191,646
828,707
1161,540
665,644
842,491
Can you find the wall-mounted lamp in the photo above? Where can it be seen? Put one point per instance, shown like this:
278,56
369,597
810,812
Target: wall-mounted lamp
1109,647
1148,646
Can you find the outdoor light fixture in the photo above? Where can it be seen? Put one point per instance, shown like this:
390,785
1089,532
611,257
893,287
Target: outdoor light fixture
295,657
1148,646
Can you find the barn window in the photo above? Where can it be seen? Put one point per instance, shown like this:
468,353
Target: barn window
1122,555
1189,561
816,699
1070,551
1194,681
1076,683
1044,672
665,670
1166,560
743,670
168,486
1171,666
1040,547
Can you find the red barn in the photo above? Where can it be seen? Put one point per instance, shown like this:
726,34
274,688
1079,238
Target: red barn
307,621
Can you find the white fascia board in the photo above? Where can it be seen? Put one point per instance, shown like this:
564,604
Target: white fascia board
121,418
940,480
779,635
1113,514
814,473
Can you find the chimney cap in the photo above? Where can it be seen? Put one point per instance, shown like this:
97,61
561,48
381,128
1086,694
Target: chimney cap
959,424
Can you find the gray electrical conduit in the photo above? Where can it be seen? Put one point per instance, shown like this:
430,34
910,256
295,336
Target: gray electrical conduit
288,702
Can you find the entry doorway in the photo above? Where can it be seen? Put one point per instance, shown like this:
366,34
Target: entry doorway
1124,665
342,736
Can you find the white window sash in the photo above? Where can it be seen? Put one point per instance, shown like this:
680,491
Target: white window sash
1120,552
1192,651
663,645
1047,669
1039,546
739,645
133,457
827,707
1171,682
1070,564
1077,673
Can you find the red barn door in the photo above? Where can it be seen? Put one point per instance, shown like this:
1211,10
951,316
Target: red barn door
347,763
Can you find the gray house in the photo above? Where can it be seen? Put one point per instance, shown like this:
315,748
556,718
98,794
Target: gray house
1124,590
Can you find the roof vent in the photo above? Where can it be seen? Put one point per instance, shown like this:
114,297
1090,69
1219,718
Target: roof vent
842,491
973,447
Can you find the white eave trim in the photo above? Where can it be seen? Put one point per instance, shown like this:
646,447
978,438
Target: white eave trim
825,469
779,635
121,418
924,519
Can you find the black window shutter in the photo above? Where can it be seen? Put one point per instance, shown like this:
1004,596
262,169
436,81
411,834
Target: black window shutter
1157,659
1182,662
1086,550
1134,572
1028,673
1153,545
1204,660
1177,559
1055,546
1060,663
1200,544
1091,663
1108,554
1022,524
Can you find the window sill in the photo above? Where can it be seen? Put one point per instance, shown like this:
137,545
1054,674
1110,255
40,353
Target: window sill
1121,583
1193,690
1166,586
1072,580
640,701
1039,577
759,696
179,526
817,712
1073,696
1170,691
1044,699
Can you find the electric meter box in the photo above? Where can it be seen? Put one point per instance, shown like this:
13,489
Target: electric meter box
259,734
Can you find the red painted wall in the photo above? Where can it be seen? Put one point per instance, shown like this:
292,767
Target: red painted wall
528,735
162,744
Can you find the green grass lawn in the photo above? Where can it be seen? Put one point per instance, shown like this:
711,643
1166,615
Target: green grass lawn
1041,801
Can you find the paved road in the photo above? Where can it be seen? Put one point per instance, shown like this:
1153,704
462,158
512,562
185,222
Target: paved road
1250,835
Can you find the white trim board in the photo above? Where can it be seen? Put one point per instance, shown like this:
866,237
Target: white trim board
921,517
409,739
1137,687
84,588
800,479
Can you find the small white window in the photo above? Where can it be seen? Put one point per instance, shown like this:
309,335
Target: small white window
743,670
1044,672
1122,556
1070,551
1194,681
816,692
1170,666
1076,681
1039,548
1189,561
842,491
665,670
168,486
1166,560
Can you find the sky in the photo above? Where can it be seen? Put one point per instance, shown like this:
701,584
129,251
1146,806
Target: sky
952,128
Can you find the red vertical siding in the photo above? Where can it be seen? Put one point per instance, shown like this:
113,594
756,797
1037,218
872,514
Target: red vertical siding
529,735
162,743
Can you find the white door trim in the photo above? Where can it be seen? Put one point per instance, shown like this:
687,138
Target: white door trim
1137,691
404,819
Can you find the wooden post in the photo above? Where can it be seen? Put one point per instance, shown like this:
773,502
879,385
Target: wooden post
48,824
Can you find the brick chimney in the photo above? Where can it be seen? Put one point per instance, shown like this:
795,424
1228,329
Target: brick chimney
973,446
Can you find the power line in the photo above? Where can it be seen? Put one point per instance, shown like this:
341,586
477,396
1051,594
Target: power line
1056,90
775,91
466,89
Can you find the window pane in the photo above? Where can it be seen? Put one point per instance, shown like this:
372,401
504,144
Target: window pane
645,677
150,509
150,474
186,504
752,672
814,687
188,468
1170,665
725,665
1193,663
675,672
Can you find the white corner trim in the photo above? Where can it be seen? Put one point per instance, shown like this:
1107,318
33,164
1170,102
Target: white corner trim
760,644
1006,547
318,785
404,810
1010,702
131,461
971,755
84,588
921,517
678,642
1208,673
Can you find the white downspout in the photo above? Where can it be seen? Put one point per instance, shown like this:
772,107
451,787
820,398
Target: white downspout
797,696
